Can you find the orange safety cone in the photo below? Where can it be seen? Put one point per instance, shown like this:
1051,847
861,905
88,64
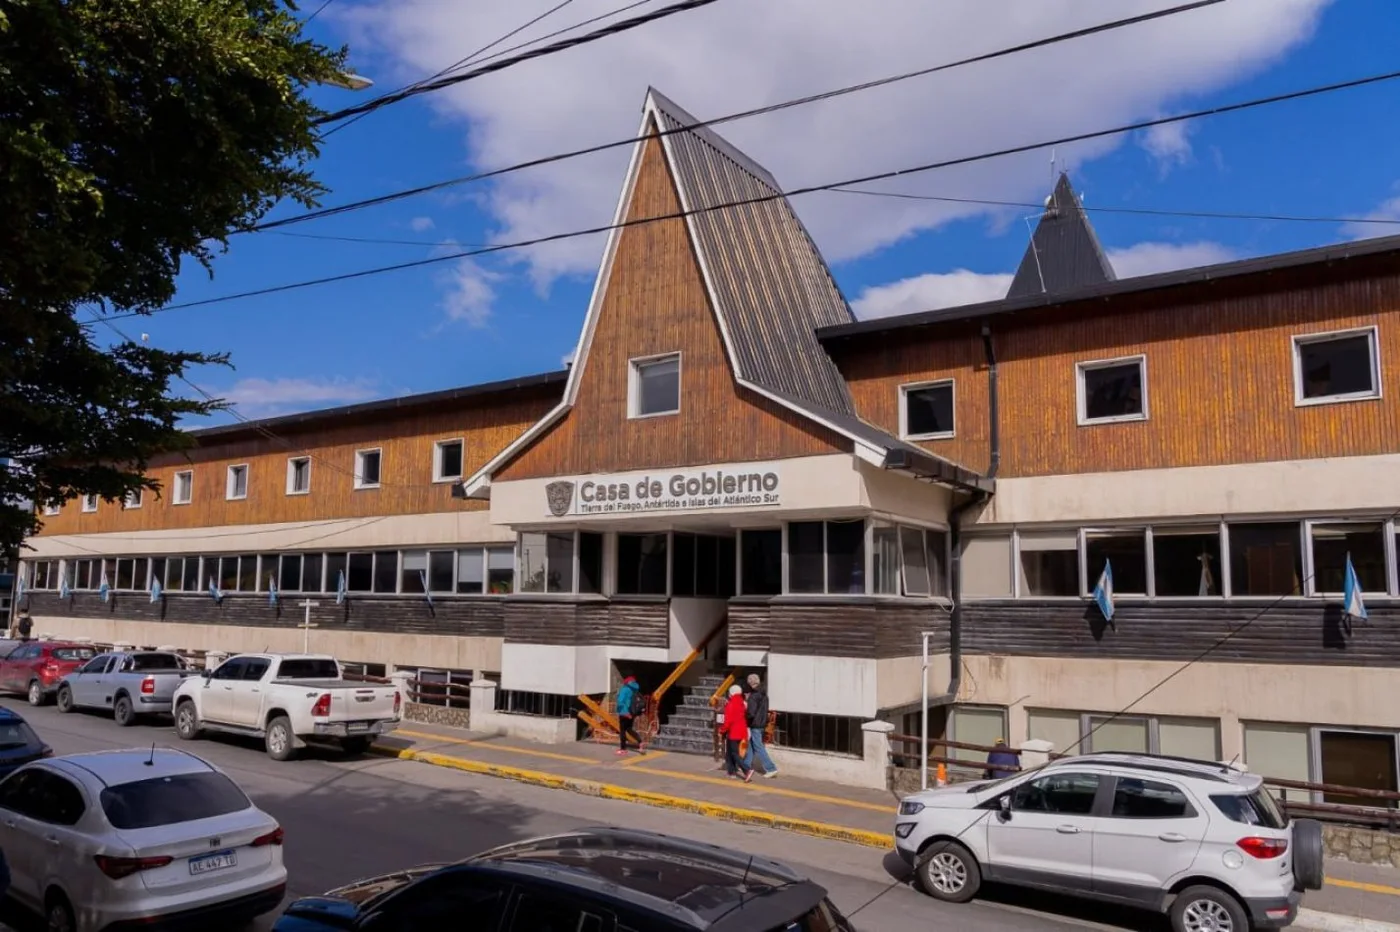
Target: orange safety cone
942,776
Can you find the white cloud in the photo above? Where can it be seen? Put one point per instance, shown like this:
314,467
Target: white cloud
1151,258
567,359
927,292
263,397
1387,210
470,293
421,224
1169,144
733,56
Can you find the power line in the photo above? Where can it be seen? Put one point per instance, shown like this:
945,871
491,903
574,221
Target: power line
443,244
562,45
764,198
318,12
740,115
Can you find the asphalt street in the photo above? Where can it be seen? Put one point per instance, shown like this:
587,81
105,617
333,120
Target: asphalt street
351,818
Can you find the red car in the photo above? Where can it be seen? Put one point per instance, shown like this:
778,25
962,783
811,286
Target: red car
36,668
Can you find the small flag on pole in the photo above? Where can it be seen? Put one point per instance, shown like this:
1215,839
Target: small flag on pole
214,592
423,575
64,592
271,589
156,590
1207,578
1103,592
340,588
104,589
1352,605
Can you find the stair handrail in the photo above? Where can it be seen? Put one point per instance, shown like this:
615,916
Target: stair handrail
718,694
690,658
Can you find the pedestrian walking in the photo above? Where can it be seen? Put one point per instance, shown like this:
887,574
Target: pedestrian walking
736,729
1002,761
25,626
757,712
629,704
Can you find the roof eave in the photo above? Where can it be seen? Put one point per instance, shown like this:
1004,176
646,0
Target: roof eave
938,470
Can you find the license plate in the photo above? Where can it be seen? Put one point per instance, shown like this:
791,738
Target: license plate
206,863
357,726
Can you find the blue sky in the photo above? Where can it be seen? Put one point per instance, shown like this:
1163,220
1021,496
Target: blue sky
513,314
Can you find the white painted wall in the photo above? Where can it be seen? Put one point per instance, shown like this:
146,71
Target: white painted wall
691,620
900,680
747,658
904,496
553,668
822,685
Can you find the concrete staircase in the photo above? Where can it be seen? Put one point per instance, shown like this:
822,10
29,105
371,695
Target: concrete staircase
690,729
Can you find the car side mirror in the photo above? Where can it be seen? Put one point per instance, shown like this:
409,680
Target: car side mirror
207,674
1004,808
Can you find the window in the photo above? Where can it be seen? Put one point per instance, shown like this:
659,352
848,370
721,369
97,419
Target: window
826,556
1265,559
1134,798
538,912
500,570
1186,561
237,483
1332,543
1257,808
641,564
186,797
289,572
655,386
248,573
298,475
367,469
986,567
441,901
590,563
909,561
1126,551
337,566
1113,390
134,498
761,562
359,574
926,411
126,573
1085,732
1354,758
447,460
702,566
440,570
386,571
311,573
1331,367
469,570
52,510
415,570
547,562
974,725
158,570
835,734
190,581
1049,564
1063,793
89,503
184,487
231,669
228,574
522,702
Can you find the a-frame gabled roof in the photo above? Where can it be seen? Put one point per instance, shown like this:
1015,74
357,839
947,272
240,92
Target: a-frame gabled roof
1064,254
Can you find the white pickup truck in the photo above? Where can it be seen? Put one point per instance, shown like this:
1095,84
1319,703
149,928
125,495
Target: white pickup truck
286,699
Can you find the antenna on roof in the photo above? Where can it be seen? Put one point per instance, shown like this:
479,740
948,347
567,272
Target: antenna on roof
747,867
151,761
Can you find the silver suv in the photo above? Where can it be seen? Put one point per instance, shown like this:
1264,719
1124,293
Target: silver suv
1201,841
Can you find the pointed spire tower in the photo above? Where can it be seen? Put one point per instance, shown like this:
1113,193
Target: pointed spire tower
1064,254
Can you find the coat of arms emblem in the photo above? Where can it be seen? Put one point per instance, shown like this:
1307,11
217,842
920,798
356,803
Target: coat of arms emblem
560,496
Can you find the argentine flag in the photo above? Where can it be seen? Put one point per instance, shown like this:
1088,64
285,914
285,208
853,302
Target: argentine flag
423,575
340,588
271,589
104,590
156,590
1103,591
1352,605
214,591
64,592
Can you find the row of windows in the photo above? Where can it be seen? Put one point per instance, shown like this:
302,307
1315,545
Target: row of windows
1230,559
1327,368
447,467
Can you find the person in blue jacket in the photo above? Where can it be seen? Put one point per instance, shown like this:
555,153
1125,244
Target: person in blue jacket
1002,761
627,695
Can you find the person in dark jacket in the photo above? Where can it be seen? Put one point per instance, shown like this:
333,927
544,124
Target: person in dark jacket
627,695
25,626
758,721
1002,761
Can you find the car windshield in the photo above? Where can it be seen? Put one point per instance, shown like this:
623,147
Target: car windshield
16,735
140,663
74,653
308,669
1257,808
184,797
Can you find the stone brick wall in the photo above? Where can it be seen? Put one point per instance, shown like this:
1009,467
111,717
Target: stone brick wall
1361,845
436,715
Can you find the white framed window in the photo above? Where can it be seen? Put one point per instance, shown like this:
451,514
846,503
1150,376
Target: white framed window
237,485
1343,365
908,561
926,410
184,487
134,498
1330,543
298,475
52,510
89,503
1112,391
447,460
367,468
654,386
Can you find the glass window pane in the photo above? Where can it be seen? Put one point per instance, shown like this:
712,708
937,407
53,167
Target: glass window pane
1119,734
532,561
1186,561
845,556
157,571
1336,367
359,574
641,564
707,566
1350,758
1134,798
228,574
414,568
289,572
936,543
126,575
805,558
449,459
311,572
1050,564
500,568
174,573
191,580
928,411
1061,729
440,570
1183,737
386,571
885,559
761,569
977,726
470,573
659,386
986,567
683,565
590,562
369,468
1331,545
1279,751
1265,559
248,573
911,542
1112,391
726,568
1127,551
560,553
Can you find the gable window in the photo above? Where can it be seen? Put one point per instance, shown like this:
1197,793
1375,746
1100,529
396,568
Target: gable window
367,469
655,386
134,498
926,411
1341,366
447,460
1113,390
184,487
237,484
89,503
298,475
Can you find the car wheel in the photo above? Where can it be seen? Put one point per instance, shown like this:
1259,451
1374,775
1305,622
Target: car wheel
1307,854
123,712
65,699
947,871
1207,909
186,721
58,913
356,746
279,740
36,693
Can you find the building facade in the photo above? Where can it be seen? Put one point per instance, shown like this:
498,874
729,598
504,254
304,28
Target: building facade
733,465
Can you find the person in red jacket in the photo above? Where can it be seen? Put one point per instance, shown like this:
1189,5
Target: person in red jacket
735,730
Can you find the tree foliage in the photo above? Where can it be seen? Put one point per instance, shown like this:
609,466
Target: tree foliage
134,135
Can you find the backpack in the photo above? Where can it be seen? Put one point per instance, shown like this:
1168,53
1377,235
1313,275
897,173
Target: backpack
639,703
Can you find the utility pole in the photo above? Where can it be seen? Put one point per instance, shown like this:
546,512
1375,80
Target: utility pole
306,626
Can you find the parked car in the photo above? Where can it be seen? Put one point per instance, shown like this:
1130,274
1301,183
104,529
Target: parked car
9,645
36,668
1201,841
601,878
18,743
129,684
132,838
286,699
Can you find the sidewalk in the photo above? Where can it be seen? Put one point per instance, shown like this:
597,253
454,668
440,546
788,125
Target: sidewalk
690,783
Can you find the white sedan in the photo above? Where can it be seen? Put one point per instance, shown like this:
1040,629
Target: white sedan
126,839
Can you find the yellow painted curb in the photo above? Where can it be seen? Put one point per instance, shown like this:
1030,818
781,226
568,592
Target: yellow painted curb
645,797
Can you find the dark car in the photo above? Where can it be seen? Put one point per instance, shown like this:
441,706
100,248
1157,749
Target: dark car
18,743
36,668
590,880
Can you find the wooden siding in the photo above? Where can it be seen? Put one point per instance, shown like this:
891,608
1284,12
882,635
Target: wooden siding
587,622
655,303
452,617
1219,386
406,470
1296,631
845,627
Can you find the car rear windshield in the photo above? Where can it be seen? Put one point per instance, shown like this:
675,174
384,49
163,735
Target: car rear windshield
74,653
184,797
140,663
308,670
17,735
1257,808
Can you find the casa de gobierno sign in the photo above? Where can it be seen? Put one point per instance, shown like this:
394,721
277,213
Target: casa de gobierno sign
752,485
